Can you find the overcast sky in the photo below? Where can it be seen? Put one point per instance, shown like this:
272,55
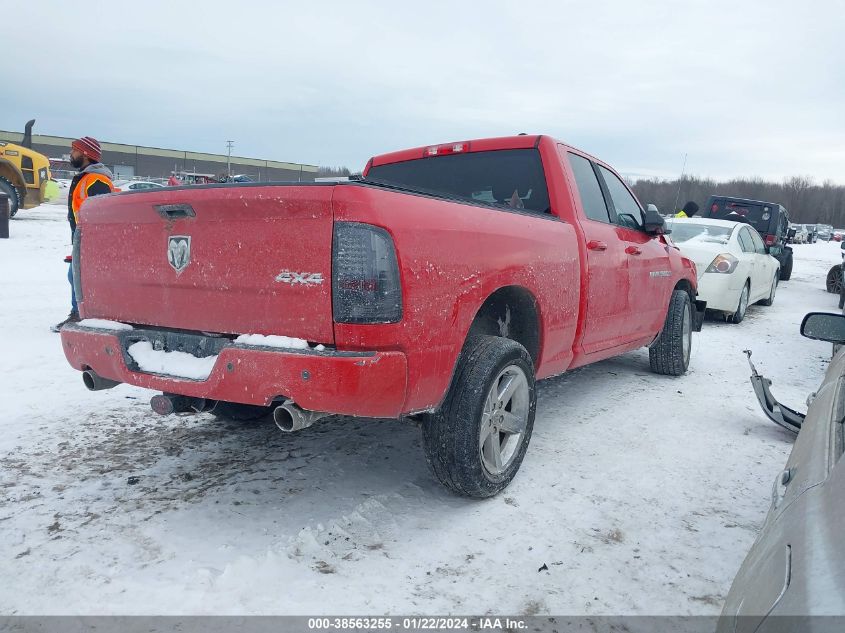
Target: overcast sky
742,88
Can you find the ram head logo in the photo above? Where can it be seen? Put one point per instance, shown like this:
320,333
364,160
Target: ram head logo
179,252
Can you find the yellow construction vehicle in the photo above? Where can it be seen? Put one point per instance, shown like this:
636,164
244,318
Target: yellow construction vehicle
24,174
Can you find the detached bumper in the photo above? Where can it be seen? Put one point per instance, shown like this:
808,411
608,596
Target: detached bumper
371,384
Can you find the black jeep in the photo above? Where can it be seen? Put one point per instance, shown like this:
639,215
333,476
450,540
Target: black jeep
769,218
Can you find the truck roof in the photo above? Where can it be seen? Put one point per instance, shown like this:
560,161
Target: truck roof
735,199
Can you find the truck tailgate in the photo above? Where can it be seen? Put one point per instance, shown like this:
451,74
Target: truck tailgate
229,259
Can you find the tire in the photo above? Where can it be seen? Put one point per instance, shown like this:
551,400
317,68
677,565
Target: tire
463,443
834,279
14,199
670,353
742,305
236,412
774,289
842,296
786,271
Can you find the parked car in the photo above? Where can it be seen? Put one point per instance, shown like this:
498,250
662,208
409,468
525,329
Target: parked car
835,281
769,218
440,285
799,234
795,571
824,231
734,269
136,185
812,233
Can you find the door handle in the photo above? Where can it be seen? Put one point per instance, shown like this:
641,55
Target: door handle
633,250
595,245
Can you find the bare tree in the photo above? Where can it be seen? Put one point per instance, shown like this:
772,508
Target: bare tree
806,202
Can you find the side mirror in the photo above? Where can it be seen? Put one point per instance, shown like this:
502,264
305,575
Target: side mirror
654,223
823,326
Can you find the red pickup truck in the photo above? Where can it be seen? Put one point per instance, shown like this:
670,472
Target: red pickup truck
440,286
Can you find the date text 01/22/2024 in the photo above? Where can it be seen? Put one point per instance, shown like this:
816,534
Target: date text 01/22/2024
416,624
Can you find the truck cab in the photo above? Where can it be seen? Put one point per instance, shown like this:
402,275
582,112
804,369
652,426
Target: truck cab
24,173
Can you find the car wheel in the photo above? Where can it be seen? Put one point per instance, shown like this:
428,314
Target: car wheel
670,353
786,271
774,289
476,441
14,199
834,279
236,412
742,307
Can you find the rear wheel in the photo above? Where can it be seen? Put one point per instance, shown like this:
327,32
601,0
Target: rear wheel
742,307
476,441
774,289
786,271
670,353
14,199
834,279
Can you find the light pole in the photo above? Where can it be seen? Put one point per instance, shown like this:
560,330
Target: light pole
229,144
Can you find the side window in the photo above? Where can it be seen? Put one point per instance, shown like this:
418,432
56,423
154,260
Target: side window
745,240
759,247
28,170
628,210
588,187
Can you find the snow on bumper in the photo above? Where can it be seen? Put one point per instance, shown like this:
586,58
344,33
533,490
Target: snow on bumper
369,384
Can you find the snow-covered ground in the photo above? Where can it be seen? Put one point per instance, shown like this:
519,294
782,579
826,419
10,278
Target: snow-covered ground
640,494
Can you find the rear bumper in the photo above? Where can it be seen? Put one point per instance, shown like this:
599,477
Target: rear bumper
721,292
371,384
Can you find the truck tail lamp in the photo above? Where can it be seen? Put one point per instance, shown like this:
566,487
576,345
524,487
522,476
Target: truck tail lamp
771,239
447,148
724,263
366,287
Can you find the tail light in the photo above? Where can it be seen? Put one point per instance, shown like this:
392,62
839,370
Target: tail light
365,275
724,263
76,263
771,239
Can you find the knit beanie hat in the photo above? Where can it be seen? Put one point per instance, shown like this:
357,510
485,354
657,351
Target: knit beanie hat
89,147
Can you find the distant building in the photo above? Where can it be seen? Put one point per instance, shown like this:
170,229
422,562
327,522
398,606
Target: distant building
129,161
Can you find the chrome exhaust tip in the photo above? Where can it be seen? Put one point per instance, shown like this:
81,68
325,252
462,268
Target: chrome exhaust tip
94,382
290,417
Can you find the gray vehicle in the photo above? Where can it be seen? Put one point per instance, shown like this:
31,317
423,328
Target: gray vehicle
795,570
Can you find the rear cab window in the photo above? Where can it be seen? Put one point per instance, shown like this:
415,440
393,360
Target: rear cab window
589,189
509,178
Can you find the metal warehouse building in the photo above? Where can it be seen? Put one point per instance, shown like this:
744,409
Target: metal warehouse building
128,161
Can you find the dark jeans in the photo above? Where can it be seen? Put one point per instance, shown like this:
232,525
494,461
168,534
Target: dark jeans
74,308
73,305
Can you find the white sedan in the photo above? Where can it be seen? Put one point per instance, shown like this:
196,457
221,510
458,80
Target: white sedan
734,269
136,185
